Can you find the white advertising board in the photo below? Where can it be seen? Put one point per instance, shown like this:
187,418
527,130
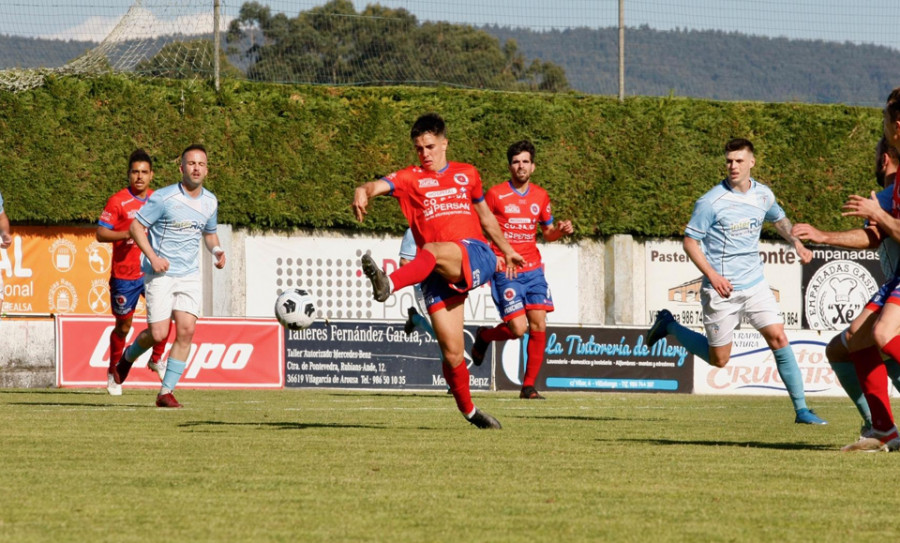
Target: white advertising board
330,268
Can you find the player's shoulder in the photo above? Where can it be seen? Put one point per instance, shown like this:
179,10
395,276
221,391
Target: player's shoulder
167,192
461,167
208,194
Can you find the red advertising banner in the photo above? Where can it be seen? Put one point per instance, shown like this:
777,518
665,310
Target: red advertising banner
56,270
225,353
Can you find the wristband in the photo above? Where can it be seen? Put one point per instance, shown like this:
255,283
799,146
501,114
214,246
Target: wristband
216,250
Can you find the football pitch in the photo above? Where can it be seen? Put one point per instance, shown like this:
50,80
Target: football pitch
327,465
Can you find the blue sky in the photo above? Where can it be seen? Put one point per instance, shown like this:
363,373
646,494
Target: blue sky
857,21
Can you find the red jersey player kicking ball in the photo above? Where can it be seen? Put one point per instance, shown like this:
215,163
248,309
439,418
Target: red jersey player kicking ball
444,205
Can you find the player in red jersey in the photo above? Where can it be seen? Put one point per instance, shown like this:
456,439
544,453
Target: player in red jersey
444,205
524,301
126,283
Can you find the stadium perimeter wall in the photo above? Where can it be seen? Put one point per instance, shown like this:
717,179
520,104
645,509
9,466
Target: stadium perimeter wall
607,274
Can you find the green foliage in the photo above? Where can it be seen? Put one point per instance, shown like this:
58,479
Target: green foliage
333,44
290,156
337,465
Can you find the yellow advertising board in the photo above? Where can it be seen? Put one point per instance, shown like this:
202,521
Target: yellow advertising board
56,270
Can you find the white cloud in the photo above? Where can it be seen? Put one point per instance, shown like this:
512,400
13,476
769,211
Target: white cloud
139,23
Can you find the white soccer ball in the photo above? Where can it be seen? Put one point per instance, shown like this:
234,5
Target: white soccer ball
295,309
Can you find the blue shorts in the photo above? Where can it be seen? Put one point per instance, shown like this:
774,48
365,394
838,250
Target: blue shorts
478,265
889,293
528,291
124,295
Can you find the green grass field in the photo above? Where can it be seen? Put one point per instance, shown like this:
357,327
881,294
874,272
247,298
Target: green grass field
304,465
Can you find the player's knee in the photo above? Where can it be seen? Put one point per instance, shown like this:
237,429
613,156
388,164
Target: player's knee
718,362
517,329
835,351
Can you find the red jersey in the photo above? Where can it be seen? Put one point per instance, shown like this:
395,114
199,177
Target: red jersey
117,215
439,205
519,215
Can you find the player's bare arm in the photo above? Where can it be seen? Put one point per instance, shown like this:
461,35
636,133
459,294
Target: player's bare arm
5,238
871,210
139,235
856,238
695,253
492,228
557,230
784,228
107,235
212,243
364,192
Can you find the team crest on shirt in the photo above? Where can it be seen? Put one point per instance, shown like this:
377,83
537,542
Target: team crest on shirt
428,182
535,209
461,179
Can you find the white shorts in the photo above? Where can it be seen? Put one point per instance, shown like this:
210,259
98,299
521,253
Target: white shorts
722,316
165,294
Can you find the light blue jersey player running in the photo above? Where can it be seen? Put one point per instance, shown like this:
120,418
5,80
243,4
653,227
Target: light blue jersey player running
175,218
722,240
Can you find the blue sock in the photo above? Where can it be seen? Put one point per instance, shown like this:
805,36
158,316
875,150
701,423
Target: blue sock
174,369
893,369
846,375
423,323
133,351
790,376
695,342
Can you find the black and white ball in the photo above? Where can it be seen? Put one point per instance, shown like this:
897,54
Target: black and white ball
295,309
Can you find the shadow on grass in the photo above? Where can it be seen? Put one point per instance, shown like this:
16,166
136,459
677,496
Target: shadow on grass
279,425
55,391
791,446
86,404
431,395
571,417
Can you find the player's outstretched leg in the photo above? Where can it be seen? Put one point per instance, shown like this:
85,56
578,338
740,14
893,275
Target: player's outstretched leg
458,380
381,285
660,327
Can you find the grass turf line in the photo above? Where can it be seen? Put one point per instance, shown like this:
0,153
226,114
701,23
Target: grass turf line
326,465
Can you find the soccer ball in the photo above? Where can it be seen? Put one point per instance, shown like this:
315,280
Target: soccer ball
295,309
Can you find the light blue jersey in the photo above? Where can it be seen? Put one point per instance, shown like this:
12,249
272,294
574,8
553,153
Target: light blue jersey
1,203
408,247
889,250
727,224
176,223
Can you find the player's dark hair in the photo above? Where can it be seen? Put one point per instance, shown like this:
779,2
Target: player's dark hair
139,155
194,147
737,144
881,149
519,147
430,123
893,105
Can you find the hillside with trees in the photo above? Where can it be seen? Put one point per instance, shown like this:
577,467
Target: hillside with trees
715,65
333,44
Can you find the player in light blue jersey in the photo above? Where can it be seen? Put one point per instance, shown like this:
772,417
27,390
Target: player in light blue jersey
869,236
722,240
175,218
5,241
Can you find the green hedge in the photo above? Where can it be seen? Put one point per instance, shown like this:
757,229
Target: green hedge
290,156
